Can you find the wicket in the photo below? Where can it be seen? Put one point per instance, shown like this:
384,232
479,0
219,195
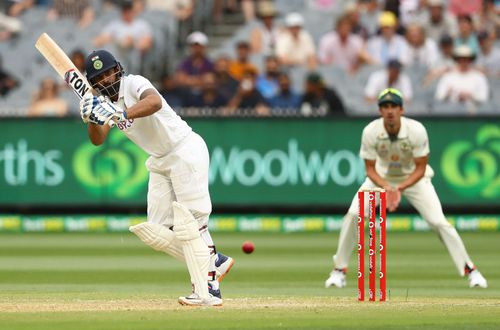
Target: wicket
371,244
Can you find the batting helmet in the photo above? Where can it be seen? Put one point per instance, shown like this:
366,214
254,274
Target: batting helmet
98,62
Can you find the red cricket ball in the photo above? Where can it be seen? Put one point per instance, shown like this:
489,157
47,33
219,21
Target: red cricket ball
248,247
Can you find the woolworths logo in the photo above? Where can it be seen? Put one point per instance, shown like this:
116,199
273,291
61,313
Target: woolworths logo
117,170
287,166
472,168
23,165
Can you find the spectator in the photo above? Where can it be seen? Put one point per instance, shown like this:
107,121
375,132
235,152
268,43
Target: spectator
15,8
388,45
248,98
181,9
445,61
80,10
394,6
7,81
391,77
138,6
323,5
319,99
46,102
462,7
295,46
171,92
463,84
343,48
9,27
409,10
231,6
248,9
267,83
223,6
132,36
489,58
437,22
353,13
210,97
263,37
78,56
422,51
466,34
369,13
226,84
191,70
445,52
285,99
489,19
10,23
107,6
242,64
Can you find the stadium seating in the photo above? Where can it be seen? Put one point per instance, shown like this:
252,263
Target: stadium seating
166,53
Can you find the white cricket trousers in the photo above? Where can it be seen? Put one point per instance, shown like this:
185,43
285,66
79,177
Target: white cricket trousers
180,176
422,196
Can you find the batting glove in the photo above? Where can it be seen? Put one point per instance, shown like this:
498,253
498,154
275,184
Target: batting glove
119,115
107,111
87,104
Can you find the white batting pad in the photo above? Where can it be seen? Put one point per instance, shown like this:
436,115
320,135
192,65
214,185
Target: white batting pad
159,238
196,252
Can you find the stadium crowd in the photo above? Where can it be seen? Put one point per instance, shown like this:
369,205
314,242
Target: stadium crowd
288,57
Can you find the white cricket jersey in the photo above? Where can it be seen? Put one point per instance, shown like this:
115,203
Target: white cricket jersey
395,158
157,134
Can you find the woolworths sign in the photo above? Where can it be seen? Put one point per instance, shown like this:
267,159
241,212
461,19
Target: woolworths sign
24,166
287,166
253,162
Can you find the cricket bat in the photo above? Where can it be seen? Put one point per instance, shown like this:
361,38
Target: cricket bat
63,65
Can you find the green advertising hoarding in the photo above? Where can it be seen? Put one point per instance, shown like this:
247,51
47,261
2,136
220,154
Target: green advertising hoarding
253,162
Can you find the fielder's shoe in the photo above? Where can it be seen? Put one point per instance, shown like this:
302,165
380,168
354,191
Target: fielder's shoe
477,280
195,300
337,278
223,265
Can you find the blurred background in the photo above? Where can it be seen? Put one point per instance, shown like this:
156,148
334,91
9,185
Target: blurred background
280,90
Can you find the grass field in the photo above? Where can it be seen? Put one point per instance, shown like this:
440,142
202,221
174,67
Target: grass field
113,281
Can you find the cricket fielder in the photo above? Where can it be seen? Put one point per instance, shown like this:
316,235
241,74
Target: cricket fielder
396,150
178,198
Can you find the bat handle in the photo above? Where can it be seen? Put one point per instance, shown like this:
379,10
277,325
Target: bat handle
111,122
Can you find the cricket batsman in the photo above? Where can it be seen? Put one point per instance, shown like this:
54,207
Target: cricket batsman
395,150
178,200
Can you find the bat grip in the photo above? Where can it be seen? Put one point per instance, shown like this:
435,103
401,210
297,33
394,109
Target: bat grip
111,122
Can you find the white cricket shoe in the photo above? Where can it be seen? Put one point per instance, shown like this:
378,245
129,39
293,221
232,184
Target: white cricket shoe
337,278
477,280
223,265
195,300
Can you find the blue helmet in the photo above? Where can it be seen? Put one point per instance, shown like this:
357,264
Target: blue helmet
98,62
